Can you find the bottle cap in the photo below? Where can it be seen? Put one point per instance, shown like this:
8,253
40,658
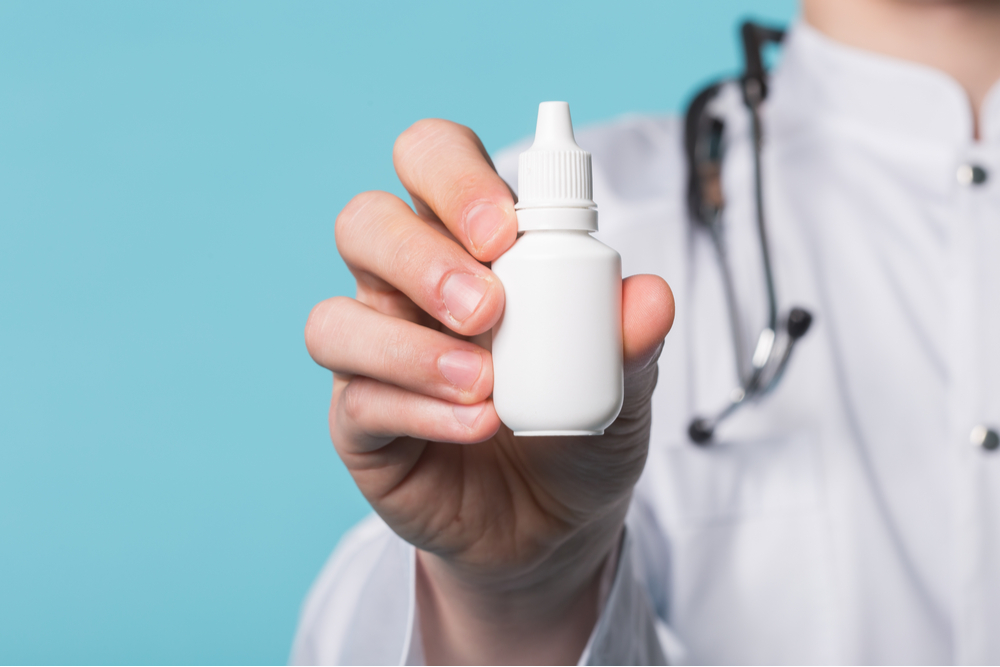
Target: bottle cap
554,178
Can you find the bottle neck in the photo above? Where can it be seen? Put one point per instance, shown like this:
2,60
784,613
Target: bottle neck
569,218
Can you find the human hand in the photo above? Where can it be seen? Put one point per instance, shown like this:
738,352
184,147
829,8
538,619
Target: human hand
511,531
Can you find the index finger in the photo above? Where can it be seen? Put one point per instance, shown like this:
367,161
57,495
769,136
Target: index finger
444,166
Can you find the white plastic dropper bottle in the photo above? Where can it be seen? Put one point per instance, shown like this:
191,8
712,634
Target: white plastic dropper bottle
557,350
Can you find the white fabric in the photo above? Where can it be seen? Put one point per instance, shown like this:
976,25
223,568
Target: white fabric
846,518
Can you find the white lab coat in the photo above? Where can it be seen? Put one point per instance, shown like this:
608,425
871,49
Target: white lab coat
845,518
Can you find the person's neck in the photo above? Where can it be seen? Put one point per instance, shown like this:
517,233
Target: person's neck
960,37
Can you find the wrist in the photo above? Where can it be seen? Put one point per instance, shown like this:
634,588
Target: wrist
542,614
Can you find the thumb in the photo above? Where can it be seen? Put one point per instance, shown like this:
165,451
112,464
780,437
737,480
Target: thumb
647,315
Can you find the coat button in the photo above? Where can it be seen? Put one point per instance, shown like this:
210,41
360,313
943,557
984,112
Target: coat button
986,438
971,174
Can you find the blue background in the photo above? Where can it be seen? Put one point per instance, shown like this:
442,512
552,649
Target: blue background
169,176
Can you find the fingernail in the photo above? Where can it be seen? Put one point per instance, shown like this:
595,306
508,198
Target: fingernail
481,223
462,293
461,368
468,414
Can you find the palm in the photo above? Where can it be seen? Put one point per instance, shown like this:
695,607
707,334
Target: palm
507,500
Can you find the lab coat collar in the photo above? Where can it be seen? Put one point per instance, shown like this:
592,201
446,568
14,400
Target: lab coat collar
819,78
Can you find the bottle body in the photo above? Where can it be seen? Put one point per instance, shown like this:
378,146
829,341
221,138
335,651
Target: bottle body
557,349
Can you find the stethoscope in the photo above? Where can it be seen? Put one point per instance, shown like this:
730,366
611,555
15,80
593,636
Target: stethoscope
703,144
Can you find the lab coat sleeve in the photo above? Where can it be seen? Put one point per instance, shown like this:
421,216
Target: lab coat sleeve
628,630
361,610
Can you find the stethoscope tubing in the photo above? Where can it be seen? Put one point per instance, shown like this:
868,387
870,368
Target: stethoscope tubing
704,148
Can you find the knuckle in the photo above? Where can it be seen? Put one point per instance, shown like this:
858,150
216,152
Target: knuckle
320,325
353,400
428,135
356,216
314,326
419,133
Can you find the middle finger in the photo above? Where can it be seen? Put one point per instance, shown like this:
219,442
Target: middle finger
350,338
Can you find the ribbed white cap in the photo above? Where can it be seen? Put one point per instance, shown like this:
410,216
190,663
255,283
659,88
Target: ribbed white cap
555,173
